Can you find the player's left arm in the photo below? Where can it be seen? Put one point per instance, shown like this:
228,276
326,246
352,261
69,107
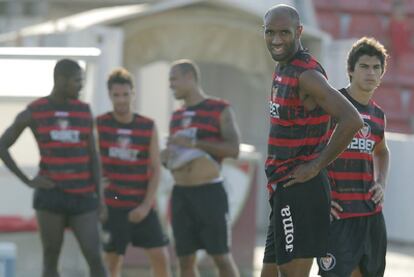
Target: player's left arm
381,158
95,163
142,210
229,145
315,88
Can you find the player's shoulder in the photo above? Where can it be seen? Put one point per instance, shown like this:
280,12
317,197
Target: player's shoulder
303,61
38,102
219,102
378,111
139,118
80,103
104,117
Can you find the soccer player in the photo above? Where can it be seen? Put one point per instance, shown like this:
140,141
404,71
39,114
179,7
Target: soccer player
67,187
202,133
301,105
357,239
131,168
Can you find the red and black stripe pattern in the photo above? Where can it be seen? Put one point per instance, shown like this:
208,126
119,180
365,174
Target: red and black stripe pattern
203,119
63,132
125,154
296,134
352,173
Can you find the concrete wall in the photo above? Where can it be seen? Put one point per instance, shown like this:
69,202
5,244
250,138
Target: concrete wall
400,189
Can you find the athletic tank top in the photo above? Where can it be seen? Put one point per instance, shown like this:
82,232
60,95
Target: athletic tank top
352,173
296,134
201,121
125,156
62,132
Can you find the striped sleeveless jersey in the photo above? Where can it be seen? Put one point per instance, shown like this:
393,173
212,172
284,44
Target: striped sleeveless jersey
352,173
296,134
201,120
62,132
125,154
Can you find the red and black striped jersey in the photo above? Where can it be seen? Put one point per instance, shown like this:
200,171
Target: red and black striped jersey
201,120
352,173
62,132
125,156
297,135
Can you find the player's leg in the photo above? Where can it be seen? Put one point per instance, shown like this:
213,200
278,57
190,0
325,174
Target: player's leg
116,237
215,225
160,261
226,265
301,220
269,270
149,235
356,273
51,229
188,266
269,267
184,229
373,261
85,228
345,247
296,268
114,263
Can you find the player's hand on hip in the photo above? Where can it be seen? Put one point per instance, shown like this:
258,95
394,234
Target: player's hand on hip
41,182
336,209
377,193
139,213
302,173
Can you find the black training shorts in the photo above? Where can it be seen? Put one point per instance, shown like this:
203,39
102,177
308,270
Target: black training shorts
56,201
356,242
119,231
299,221
200,219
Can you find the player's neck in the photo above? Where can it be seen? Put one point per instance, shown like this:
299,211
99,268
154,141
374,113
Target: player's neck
124,118
361,96
58,96
195,97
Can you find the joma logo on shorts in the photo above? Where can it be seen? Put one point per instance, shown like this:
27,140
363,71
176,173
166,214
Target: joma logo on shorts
287,227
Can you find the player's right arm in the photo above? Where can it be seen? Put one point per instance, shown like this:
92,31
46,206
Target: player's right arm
315,88
381,158
8,138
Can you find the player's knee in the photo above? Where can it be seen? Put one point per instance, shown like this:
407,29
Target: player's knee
223,261
187,263
51,252
114,263
159,256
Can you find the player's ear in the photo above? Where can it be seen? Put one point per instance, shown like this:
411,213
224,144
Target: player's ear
299,30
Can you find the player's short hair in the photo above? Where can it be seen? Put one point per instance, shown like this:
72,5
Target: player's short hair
119,76
65,68
366,46
188,66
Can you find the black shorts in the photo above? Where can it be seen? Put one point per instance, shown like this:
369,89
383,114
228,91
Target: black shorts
119,231
356,242
299,221
200,219
56,201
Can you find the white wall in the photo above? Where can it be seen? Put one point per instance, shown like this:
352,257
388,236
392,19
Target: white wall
400,189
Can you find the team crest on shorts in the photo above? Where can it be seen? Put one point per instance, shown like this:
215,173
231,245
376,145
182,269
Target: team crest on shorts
328,262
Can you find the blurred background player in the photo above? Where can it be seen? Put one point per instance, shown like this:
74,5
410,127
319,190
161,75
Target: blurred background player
200,212
131,168
358,239
67,187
